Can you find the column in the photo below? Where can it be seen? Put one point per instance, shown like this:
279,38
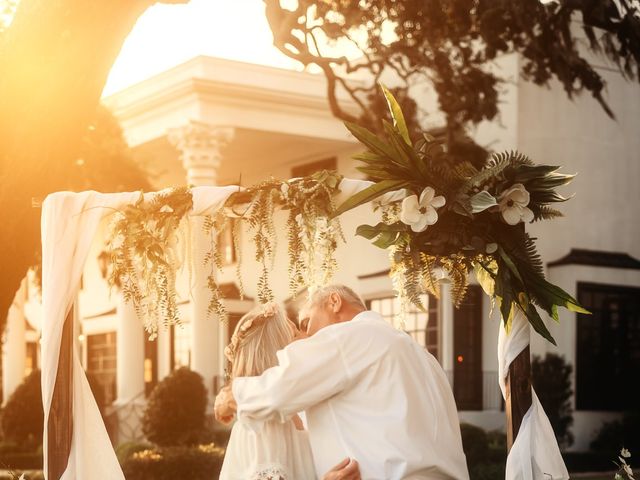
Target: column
446,328
14,347
199,145
130,352
200,148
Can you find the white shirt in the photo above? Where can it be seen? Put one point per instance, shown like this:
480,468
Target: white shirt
370,392
277,451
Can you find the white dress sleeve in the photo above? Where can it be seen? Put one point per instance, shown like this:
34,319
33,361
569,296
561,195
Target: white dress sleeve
309,371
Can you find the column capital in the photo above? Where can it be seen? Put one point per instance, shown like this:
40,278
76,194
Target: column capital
200,146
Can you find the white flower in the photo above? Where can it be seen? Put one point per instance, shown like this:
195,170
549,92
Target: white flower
166,209
625,453
22,477
420,213
628,471
513,205
491,248
618,477
284,190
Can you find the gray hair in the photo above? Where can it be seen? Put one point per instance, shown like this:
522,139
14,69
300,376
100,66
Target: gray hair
346,293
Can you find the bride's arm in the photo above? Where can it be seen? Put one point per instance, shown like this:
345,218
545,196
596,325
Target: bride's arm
309,371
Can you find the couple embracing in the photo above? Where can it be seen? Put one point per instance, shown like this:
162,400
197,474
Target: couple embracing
377,405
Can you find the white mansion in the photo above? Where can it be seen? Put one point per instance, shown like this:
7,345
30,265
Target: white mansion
217,122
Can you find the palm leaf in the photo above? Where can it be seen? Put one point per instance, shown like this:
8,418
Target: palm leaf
396,114
369,194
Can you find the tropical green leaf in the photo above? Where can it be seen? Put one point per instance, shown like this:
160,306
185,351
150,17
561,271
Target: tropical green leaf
481,201
485,278
369,194
537,323
386,239
370,140
371,231
396,114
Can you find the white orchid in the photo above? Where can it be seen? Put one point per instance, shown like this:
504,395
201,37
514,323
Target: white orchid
513,205
419,213
625,453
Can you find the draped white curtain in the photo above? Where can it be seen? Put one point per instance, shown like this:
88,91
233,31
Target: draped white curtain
69,224
535,453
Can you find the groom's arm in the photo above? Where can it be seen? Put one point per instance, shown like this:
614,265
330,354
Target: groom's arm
309,371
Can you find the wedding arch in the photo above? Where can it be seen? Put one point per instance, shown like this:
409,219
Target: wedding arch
430,215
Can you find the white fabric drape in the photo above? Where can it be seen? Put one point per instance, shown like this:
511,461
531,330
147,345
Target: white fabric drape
535,453
69,223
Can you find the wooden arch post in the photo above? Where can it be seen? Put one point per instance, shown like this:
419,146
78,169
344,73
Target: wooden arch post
518,397
518,394
60,422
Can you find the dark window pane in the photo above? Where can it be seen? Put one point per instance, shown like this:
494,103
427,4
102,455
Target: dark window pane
608,347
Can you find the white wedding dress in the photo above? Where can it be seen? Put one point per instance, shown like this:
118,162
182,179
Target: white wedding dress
278,451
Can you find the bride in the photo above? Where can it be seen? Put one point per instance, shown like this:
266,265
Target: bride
279,449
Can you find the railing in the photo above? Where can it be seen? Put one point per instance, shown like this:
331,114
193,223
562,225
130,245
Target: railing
124,421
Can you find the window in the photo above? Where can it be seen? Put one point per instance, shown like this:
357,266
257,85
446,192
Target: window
467,351
608,347
181,343
423,327
313,167
101,363
32,358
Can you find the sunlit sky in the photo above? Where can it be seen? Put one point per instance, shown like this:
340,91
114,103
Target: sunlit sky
167,35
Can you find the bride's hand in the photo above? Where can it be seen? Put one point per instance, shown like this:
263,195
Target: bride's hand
225,406
346,470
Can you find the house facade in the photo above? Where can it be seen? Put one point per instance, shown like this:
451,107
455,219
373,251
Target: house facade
218,122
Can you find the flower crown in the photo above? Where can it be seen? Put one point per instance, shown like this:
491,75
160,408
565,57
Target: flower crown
268,310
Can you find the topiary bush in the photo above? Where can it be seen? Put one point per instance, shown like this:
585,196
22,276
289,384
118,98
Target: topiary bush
202,462
22,418
486,452
175,413
551,378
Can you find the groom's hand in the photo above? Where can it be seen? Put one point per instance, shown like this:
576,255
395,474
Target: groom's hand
225,406
347,469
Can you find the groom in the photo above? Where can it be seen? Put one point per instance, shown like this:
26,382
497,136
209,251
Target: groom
369,391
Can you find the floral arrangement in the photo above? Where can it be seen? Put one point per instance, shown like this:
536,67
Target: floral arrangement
624,469
460,219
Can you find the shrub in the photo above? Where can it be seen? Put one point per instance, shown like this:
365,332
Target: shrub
474,443
22,417
486,452
125,450
175,413
201,462
551,378
617,434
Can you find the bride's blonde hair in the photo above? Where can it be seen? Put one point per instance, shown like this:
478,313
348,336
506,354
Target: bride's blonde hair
257,337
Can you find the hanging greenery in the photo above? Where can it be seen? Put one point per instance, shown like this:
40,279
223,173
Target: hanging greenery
143,246
461,219
146,249
312,232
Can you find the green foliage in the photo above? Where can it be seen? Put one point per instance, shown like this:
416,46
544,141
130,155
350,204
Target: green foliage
618,434
486,452
125,450
202,462
175,412
143,246
551,378
22,417
473,231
